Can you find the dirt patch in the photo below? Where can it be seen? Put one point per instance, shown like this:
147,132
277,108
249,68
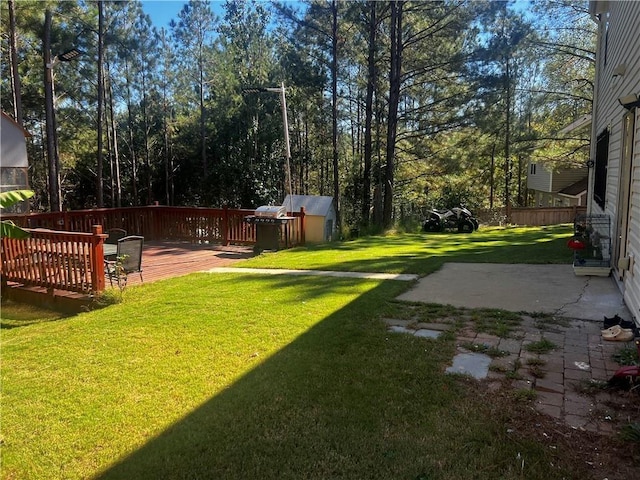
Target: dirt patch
590,455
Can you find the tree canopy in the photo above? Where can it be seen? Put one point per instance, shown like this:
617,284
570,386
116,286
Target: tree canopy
393,106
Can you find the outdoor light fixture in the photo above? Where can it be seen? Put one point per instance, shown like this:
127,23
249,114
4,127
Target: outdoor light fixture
619,71
629,101
69,55
65,57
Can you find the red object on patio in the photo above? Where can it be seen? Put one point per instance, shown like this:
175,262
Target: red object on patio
575,244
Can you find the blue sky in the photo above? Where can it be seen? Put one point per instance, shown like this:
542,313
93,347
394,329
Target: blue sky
163,11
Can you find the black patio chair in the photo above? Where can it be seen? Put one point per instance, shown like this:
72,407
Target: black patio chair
128,260
115,234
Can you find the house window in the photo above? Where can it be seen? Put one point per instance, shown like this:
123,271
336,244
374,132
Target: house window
532,169
600,173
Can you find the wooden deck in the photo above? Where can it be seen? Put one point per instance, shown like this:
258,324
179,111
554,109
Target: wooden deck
161,260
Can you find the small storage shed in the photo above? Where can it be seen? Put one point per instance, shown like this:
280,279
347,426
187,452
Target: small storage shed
14,164
320,216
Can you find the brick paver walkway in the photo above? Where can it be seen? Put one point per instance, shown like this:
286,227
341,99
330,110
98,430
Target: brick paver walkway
568,381
581,361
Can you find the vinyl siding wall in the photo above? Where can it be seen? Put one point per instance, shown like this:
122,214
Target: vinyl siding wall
541,180
620,46
632,281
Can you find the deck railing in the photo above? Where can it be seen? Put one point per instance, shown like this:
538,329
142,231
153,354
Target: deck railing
158,222
55,260
65,250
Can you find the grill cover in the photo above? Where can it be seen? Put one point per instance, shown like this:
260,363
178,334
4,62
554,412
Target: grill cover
271,211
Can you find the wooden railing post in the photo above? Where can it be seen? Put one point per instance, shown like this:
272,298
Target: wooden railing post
97,259
302,226
155,221
225,225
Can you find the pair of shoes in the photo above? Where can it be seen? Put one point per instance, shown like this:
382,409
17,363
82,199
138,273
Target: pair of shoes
617,320
617,334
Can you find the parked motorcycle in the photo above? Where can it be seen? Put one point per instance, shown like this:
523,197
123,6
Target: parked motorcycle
457,218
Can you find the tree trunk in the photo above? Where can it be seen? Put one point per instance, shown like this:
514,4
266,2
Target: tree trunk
394,99
52,139
99,186
165,138
116,153
203,131
334,110
15,75
371,81
491,174
147,153
109,132
507,137
132,148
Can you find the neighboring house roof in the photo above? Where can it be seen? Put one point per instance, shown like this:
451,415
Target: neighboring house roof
313,204
576,189
13,147
546,180
583,121
7,117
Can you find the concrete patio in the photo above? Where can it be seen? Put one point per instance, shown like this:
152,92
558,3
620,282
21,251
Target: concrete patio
581,361
553,289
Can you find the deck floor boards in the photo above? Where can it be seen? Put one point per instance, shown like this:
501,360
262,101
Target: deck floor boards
161,260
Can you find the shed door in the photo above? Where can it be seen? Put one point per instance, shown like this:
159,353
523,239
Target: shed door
328,232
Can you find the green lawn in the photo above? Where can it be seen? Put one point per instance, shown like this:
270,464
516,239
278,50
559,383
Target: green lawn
423,253
241,376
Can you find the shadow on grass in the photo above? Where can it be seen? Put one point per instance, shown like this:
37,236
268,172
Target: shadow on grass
346,399
15,315
426,252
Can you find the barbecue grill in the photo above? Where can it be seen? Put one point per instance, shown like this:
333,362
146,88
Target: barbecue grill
270,214
268,219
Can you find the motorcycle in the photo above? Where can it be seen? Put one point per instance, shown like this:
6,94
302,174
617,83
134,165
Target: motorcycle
457,218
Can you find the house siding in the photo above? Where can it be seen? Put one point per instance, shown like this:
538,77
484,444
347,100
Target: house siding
620,47
632,280
544,185
14,148
541,180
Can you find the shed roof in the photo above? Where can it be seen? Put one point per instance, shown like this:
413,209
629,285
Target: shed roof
313,204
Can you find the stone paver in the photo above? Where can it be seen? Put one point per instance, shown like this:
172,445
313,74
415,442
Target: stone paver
580,356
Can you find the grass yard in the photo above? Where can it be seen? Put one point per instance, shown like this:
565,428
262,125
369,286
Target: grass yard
424,253
232,376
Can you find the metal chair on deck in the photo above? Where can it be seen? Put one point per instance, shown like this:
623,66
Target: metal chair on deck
128,260
115,234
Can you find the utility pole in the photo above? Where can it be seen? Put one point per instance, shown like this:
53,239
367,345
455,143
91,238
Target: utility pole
55,203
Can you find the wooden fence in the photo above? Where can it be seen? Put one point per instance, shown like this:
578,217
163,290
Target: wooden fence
530,216
70,261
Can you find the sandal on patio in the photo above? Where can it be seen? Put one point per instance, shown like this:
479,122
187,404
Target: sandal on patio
617,334
611,331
